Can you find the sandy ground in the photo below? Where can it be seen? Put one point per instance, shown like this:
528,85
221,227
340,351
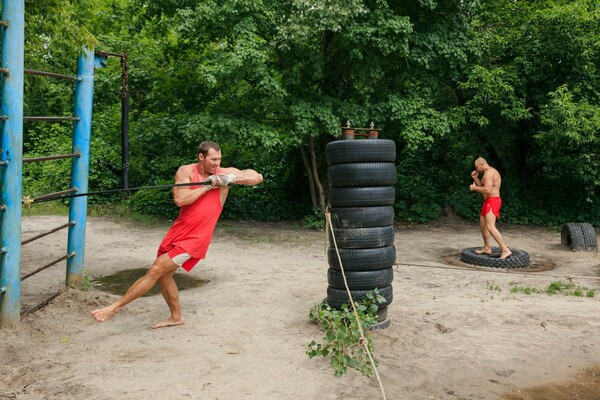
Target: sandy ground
456,333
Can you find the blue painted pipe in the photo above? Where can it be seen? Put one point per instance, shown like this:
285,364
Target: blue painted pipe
11,169
80,167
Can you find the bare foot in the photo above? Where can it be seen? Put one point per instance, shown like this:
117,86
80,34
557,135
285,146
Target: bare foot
102,314
505,254
484,251
169,322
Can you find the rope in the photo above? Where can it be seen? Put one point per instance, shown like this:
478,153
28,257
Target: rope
568,277
363,341
28,201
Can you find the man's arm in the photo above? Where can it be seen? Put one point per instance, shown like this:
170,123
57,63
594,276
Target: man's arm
475,176
184,195
243,177
487,185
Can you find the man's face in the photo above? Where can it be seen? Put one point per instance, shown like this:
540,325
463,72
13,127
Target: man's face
479,167
211,161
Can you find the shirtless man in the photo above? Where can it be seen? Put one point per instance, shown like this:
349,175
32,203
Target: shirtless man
186,243
489,187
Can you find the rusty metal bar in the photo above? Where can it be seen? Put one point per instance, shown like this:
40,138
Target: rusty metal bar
48,158
44,303
51,75
4,70
3,23
43,267
41,235
50,119
55,194
108,53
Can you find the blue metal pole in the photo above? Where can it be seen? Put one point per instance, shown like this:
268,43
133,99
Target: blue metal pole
11,168
80,166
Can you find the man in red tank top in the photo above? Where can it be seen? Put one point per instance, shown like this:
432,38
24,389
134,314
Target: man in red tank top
187,241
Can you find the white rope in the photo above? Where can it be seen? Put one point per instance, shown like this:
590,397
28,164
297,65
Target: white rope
363,341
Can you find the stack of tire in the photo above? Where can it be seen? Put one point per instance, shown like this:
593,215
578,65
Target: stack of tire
579,236
361,175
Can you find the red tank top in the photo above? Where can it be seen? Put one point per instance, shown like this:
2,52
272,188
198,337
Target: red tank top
194,228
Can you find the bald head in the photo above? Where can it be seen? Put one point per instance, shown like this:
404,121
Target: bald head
480,161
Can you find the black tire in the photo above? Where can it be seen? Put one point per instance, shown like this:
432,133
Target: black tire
361,217
361,174
589,237
572,235
363,150
337,297
360,280
362,196
362,259
362,238
518,259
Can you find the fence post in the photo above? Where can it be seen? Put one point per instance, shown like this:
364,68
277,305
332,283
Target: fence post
80,167
13,34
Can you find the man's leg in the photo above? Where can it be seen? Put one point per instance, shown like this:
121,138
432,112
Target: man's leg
485,233
162,265
490,220
169,290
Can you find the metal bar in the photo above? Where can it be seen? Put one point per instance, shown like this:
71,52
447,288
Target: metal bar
50,119
55,194
13,40
43,267
108,53
48,158
41,235
4,23
51,75
4,70
124,123
44,303
80,166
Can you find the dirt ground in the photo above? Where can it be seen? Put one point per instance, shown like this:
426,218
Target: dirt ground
456,333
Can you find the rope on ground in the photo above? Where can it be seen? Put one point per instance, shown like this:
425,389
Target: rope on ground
492,271
363,340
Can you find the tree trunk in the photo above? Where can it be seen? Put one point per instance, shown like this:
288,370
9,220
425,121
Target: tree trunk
315,171
311,181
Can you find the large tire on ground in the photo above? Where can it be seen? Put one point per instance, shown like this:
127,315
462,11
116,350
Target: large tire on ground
362,196
361,217
572,235
518,259
360,280
337,297
361,174
589,237
364,150
362,238
362,259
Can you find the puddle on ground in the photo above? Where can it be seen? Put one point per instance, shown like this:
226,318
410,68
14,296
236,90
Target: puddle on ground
584,386
119,282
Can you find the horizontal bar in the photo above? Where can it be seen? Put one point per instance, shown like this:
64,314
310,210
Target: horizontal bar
41,235
50,119
48,158
6,162
51,75
55,194
108,53
44,303
4,70
43,267
3,289
3,22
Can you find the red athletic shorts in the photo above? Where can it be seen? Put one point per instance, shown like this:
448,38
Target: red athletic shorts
180,257
492,204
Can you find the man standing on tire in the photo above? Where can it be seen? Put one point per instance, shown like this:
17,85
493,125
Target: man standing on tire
489,187
186,243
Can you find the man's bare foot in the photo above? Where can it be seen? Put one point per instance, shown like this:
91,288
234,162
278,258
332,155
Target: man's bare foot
169,322
483,251
505,254
102,314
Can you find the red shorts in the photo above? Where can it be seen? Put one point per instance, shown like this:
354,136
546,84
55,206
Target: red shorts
180,257
492,204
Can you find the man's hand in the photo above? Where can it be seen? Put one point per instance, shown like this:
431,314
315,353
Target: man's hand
473,187
222,180
474,174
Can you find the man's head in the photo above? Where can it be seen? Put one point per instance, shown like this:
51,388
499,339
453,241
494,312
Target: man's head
209,156
480,164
